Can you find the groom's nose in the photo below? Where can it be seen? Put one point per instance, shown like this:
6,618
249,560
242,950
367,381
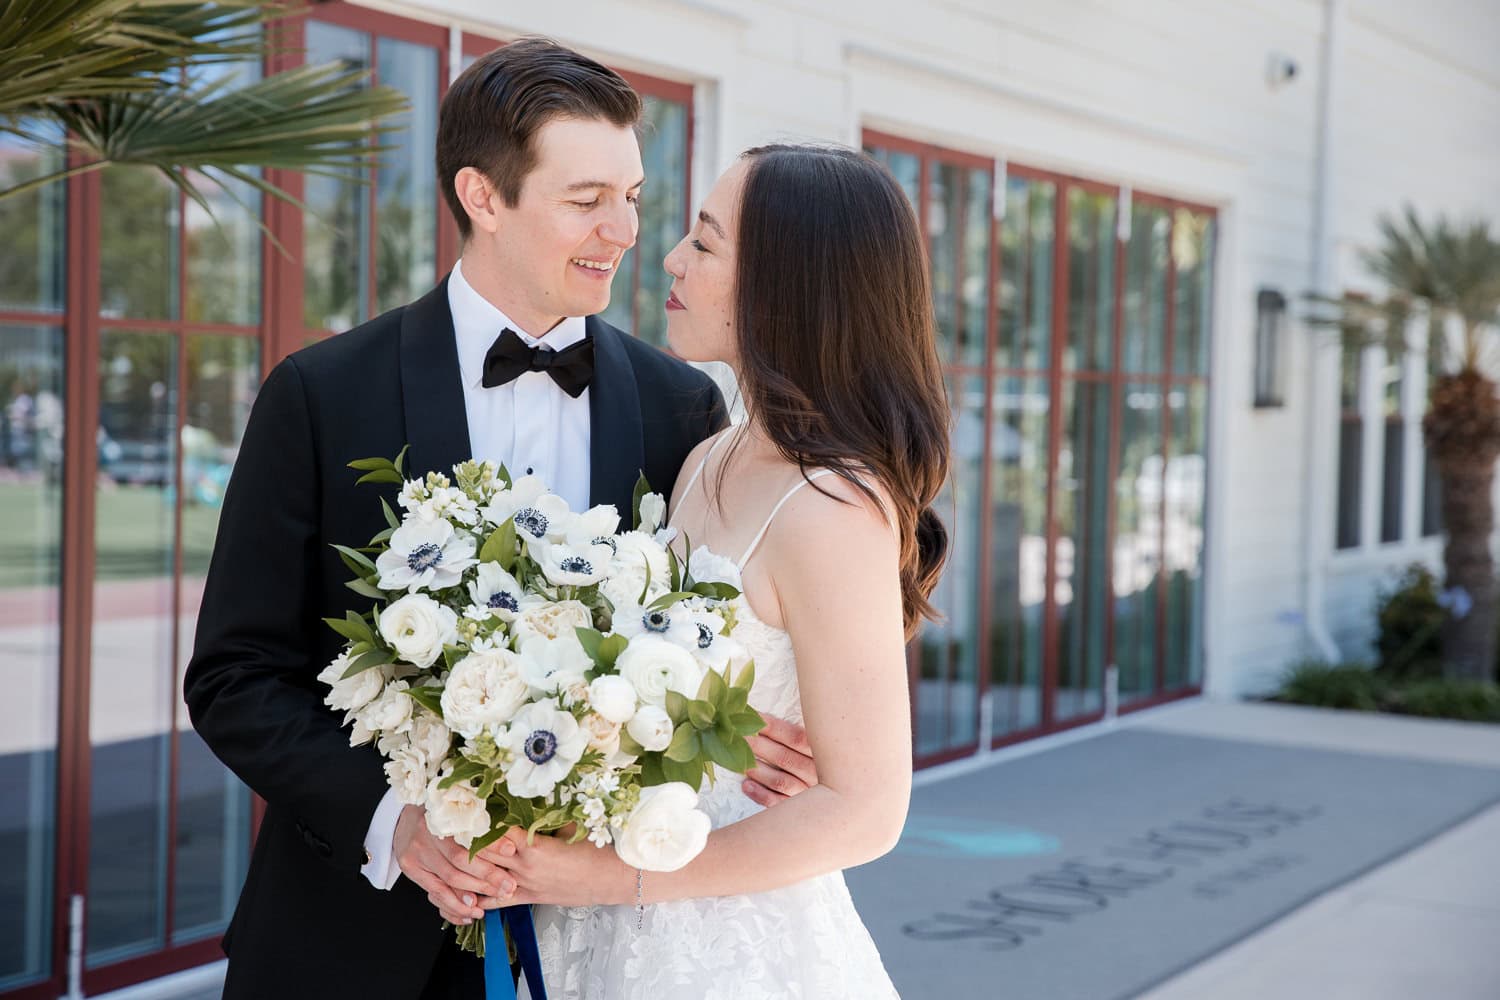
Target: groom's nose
620,226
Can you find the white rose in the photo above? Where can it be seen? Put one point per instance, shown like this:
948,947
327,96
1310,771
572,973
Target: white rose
430,735
355,693
665,830
391,712
456,812
653,510
651,727
406,770
484,690
418,628
603,735
552,666
554,620
613,697
654,666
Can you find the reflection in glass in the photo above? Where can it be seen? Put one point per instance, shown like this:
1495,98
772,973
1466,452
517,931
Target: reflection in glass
213,807
1393,456
1082,545
1018,552
1185,493
1137,548
1351,448
132,686
639,293
31,268
336,230
1145,300
1192,256
31,494
1091,281
944,231
1025,301
905,167
406,180
946,697
138,244
223,254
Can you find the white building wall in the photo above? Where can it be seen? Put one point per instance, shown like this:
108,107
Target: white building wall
1169,96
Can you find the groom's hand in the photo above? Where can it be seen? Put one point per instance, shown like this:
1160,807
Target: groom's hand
784,763
455,884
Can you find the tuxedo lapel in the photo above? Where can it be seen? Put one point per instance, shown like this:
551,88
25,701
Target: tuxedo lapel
432,394
616,442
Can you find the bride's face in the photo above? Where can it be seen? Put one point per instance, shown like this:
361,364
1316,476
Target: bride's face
700,308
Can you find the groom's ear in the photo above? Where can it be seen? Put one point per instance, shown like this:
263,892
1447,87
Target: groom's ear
479,199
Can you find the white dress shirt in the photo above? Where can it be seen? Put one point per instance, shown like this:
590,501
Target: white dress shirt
531,427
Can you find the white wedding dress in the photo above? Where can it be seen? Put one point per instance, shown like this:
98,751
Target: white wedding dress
801,941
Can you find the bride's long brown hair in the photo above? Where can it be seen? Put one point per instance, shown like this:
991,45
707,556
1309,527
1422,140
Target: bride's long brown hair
836,339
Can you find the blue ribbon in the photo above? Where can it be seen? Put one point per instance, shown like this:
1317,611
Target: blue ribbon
498,984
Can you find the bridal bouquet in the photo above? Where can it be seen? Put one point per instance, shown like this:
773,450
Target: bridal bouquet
526,665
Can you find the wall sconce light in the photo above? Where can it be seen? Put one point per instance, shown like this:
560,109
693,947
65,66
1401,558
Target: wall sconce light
1270,332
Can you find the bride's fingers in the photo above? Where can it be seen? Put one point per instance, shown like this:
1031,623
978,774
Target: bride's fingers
783,756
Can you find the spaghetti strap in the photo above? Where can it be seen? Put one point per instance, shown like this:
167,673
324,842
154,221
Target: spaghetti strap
755,543
718,439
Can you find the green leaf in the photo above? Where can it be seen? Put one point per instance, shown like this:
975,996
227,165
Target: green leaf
647,588
390,515
380,476
676,579
748,722
371,464
642,487
503,474
354,631
690,773
746,679
735,701
452,654
591,640
500,547
357,561
667,600
610,650
401,458
364,589
700,714
430,698
677,707
367,661
719,591
480,843
629,745
382,537
713,689
715,750
651,769
685,745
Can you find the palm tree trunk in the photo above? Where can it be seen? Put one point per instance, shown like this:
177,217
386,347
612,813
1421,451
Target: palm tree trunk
1463,432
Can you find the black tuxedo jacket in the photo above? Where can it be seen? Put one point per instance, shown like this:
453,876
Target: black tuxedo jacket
308,923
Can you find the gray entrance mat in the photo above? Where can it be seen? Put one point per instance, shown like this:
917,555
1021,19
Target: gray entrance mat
1096,870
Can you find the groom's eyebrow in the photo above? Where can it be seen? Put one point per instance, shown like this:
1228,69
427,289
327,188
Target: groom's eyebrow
592,185
712,223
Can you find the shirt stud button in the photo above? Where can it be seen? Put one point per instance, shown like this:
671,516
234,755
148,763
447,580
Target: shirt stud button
529,471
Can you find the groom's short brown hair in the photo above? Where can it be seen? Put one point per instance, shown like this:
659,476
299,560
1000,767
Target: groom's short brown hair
491,114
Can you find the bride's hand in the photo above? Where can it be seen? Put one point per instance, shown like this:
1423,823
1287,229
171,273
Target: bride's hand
784,763
550,870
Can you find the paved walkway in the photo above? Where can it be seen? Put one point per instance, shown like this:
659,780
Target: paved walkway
1424,925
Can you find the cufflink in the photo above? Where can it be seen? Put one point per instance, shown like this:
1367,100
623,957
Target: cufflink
368,859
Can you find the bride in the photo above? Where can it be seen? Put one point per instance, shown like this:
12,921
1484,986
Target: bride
805,271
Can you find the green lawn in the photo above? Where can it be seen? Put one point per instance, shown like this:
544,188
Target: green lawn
133,534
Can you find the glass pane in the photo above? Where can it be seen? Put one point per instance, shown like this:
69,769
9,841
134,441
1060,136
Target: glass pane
223,254
1393,458
1351,449
1432,503
1091,281
1192,256
138,244
406,181
947,694
133,682
1018,552
945,245
1137,548
31,269
336,230
905,167
1082,546
974,280
31,449
1145,301
1185,496
213,807
1027,237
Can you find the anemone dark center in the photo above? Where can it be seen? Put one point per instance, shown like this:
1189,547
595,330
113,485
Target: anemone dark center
531,521
705,636
541,746
504,601
576,564
424,557
656,621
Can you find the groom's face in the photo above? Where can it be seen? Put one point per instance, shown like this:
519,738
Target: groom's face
558,248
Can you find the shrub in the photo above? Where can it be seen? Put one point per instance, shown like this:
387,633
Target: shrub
1314,682
1473,701
1410,621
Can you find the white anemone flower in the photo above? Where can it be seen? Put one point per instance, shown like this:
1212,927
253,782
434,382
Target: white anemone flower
425,554
675,624
551,666
546,742
539,515
569,565
713,648
496,592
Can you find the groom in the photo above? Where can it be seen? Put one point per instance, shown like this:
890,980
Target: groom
504,360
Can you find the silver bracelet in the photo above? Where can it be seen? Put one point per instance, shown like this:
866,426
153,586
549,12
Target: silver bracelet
640,906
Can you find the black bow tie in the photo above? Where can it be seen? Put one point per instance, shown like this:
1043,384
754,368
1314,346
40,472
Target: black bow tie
509,357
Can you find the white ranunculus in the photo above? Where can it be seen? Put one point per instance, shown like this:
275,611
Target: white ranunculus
418,627
651,727
550,666
707,566
425,555
483,691
407,771
665,830
391,712
569,565
613,697
497,590
654,666
456,812
355,693
546,742
653,511
552,621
